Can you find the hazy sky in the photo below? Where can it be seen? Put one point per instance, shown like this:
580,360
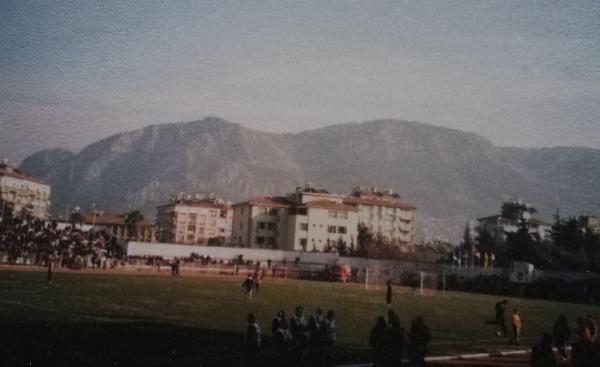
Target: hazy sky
523,73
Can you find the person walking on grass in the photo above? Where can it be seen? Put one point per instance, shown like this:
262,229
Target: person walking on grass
500,309
388,294
562,333
517,324
247,286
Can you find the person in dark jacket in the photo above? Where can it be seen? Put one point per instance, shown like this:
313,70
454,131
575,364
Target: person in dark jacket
388,294
542,354
299,330
562,333
418,338
394,342
377,338
252,341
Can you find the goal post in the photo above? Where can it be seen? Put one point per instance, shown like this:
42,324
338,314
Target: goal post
429,283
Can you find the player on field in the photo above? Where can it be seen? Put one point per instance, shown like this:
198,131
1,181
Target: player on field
499,320
247,286
517,325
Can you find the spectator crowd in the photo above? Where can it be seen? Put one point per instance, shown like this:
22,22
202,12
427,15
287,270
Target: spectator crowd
36,242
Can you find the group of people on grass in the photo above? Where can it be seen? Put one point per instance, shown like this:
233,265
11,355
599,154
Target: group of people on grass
585,350
37,242
388,340
296,340
252,282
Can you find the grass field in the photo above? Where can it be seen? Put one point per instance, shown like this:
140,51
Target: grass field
102,319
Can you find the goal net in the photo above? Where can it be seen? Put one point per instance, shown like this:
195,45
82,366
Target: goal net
428,284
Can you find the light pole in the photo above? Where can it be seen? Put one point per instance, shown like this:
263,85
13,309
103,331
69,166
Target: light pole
93,214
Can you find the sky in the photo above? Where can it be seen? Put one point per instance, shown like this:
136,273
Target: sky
520,73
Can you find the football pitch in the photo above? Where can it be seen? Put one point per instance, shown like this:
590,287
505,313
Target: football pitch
120,319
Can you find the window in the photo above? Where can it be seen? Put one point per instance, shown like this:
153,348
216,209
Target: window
303,243
193,216
342,229
304,226
273,211
301,211
191,228
261,225
331,229
270,241
272,226
332,214
260,240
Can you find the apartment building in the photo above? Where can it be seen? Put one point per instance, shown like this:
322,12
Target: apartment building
305,220
195,221
26,195
383,213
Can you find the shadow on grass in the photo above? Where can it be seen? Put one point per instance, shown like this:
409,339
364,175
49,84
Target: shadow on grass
140,343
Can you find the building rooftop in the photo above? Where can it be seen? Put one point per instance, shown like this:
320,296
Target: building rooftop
8,170
385,201
108,218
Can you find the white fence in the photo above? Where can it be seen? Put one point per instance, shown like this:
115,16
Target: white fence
380,270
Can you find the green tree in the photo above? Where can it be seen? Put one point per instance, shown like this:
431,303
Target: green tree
364,239
521,246
132,221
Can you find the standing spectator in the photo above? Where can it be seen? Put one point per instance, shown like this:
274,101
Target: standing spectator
418,338
377,338
252,341
299,328
281,335
247,286
517,324
269,263
394,343
388,294
329,336
583,353
562,334
542,354
315,328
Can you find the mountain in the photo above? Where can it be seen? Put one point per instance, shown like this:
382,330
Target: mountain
451,176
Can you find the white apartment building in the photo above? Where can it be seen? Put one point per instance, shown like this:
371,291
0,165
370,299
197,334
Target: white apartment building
384,213
26,195
305,220
194,221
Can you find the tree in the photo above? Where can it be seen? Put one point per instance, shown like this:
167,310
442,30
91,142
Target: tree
521,245
341,247
132,220
364,239
515,209
467,242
